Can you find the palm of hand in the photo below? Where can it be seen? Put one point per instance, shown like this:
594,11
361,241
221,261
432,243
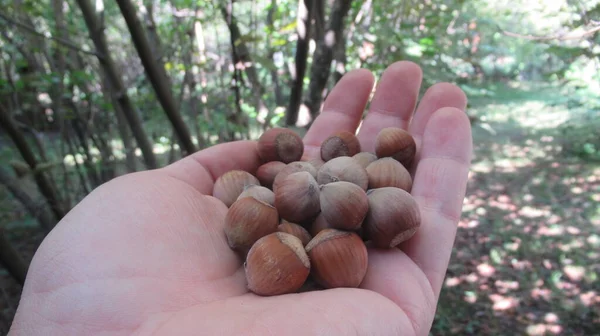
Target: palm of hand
145,253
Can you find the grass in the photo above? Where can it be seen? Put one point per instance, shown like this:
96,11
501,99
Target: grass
527,255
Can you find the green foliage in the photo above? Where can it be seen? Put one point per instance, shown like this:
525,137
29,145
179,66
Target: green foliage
523,81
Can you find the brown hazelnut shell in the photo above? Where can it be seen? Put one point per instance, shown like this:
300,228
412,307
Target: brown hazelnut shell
340,144
338,258
343,168
294,167
296,230
397,143
248,220
266,173
260,193
344,205
277,264
280,144
364,158
393,217
297,197
388,172
230,185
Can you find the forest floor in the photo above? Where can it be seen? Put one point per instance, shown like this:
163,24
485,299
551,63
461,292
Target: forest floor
527,254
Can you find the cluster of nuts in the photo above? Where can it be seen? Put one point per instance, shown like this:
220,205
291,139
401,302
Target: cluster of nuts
293,221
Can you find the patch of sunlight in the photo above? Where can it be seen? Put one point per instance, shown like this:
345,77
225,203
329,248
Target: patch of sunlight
503,303
453,281
590,298
160,148
594,240
574,273
532,212
543,329
470,297
511,165
70,160
506,286
482,167
486,270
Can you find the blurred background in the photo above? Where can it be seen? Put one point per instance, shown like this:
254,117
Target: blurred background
90,90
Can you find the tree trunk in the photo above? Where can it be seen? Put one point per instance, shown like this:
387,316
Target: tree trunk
242,55
157,75
340,61
10,258
97,35
321,66
40,212
46,187
305,9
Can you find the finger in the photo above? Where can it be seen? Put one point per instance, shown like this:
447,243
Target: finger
394,275
203,168
438,96
439,189
342,110
393,103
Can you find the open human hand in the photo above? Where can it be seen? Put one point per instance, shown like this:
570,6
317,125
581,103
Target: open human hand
145,253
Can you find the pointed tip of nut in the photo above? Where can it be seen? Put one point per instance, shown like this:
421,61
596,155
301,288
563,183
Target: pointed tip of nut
325,235
296,245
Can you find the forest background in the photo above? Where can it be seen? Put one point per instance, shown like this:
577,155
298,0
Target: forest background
90,90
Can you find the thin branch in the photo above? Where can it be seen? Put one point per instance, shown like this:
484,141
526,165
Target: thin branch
57,39
558,37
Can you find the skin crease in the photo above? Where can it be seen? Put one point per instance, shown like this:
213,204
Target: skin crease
144,254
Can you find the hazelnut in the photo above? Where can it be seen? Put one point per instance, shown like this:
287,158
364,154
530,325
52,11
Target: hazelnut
340,144
247,220
294,167
259,192
364,158
387,172
397,143
338,258
230,185
344,205
317,163
343,168
276,264
393,217
319,224
266,173
280,144
297,197
296,230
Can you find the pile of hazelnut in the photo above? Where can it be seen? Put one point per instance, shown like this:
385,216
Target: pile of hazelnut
295,222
